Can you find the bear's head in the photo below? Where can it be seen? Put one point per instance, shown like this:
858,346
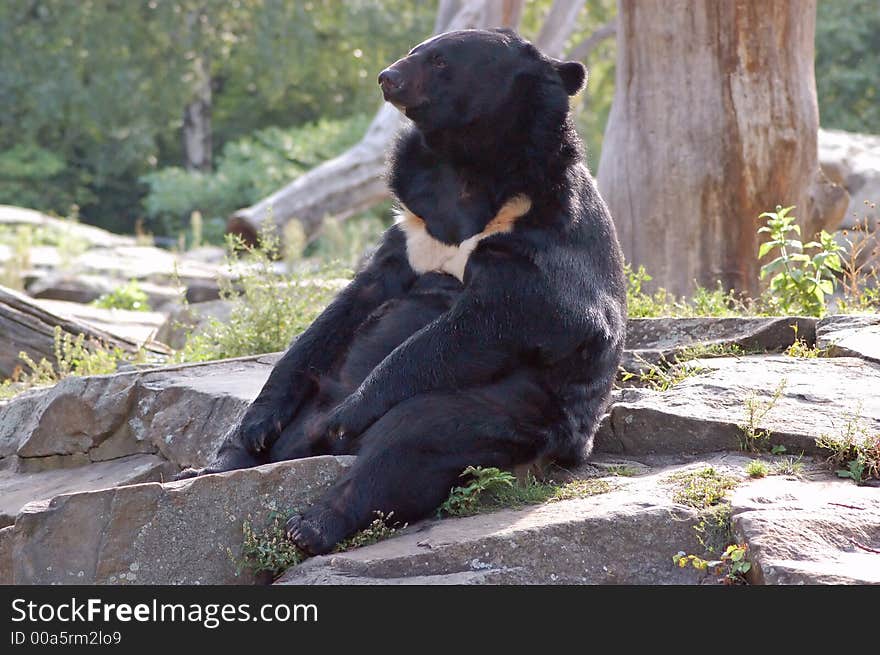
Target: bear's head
456,79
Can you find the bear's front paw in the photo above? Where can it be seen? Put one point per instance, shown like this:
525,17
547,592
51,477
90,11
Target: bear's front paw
346,420
314,533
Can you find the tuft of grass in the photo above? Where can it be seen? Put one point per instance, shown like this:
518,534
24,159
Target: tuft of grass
757,469
701,489
662,376
622,470
704,302
854,451
489,489
788,466
754,439
379,530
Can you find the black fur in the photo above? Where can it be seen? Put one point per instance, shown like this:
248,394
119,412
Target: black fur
422,376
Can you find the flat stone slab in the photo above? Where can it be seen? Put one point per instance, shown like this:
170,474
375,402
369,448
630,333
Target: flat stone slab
18,488
809,532
703,413
136,326
180,412
185,532
625,536
850,335
654,339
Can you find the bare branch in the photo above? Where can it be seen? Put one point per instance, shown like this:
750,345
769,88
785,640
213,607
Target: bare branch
558,26
583,49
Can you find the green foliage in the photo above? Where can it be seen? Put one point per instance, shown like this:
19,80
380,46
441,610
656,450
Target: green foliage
800,282
854,451
732,567
73,356
848,64
94,92
757,469
662,376
130,296
249,169
270,309
788,466
704,302
268,551
701,489
754,439
489,489
379,530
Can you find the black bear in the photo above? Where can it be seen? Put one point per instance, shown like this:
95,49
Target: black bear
487,327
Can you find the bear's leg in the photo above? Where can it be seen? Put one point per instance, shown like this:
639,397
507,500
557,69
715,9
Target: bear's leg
411,458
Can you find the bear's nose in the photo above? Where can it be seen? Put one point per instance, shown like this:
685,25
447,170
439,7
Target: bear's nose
390,79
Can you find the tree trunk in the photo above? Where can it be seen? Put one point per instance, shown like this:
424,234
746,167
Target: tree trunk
714,121
353,181
558,26
197,122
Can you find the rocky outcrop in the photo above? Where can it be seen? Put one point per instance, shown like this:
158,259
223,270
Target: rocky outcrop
625,536
704,412
19,485
181,413
850,335
853,161
187,532
652,340
809,532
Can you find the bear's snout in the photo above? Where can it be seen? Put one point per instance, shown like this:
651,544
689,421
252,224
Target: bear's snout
390,80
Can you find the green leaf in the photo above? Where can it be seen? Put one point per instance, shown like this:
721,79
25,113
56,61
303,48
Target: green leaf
765,248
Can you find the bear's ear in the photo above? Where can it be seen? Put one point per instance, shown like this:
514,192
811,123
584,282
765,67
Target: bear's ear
573,75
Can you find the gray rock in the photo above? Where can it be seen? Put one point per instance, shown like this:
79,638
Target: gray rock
133,325
173,533
180,412
18,488
625,536
188,319
89,234
809,532
853,160
850,335
703,412
653,339
6,555
70,287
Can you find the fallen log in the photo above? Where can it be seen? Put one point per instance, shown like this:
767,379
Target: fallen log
27,327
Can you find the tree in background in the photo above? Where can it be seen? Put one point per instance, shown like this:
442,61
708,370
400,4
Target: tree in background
714,120
848,64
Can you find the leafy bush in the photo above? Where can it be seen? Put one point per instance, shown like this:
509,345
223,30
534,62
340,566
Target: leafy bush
270,309
800,282
248,169
704,302
129,296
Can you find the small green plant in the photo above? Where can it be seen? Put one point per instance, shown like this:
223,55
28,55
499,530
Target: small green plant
491,489
380,529
732,567
861,280
753,437
709,350
664,375
701,489
268,551
778,449
855,451
757,469
800,348
800,282
788,466
622,470
464,500
129,296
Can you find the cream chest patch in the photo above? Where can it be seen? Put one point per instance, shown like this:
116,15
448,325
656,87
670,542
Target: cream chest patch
428,255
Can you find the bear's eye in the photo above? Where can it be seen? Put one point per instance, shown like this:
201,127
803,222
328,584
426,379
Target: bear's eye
438,61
